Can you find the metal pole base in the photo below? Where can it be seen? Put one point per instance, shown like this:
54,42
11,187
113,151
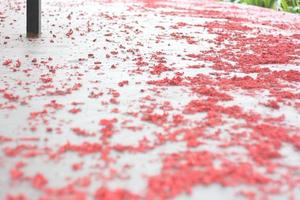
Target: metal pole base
33,18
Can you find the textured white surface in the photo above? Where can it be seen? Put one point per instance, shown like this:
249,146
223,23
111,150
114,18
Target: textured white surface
134,26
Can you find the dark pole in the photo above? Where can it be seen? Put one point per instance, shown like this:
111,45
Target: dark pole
33,18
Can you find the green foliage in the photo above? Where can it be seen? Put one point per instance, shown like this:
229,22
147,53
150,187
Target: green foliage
285,5
290,6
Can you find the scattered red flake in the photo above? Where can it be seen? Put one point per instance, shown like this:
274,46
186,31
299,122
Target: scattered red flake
5,139
180,36
158,119
18,64
106,194
17,150
68,192
123,83
114,52
16,197
212,93
82,149
290,75
7,62
272,104
69,90
114,93
272,132
35,115
53,104
76,86
69,33
175,81
46,79
114,101
75,110
248,195
143,146
82,132
108,126
196,106
83,182
16,174
49,129
29,138
39,181
77,166
181,172
158,69
24,150
178,119
69,17
94,95
10,96
263,152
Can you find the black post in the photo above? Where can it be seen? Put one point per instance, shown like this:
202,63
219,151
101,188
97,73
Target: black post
33,18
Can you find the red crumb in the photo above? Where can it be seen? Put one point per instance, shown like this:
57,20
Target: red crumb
39,181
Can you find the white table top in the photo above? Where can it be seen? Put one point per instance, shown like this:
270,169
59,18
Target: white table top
149,100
